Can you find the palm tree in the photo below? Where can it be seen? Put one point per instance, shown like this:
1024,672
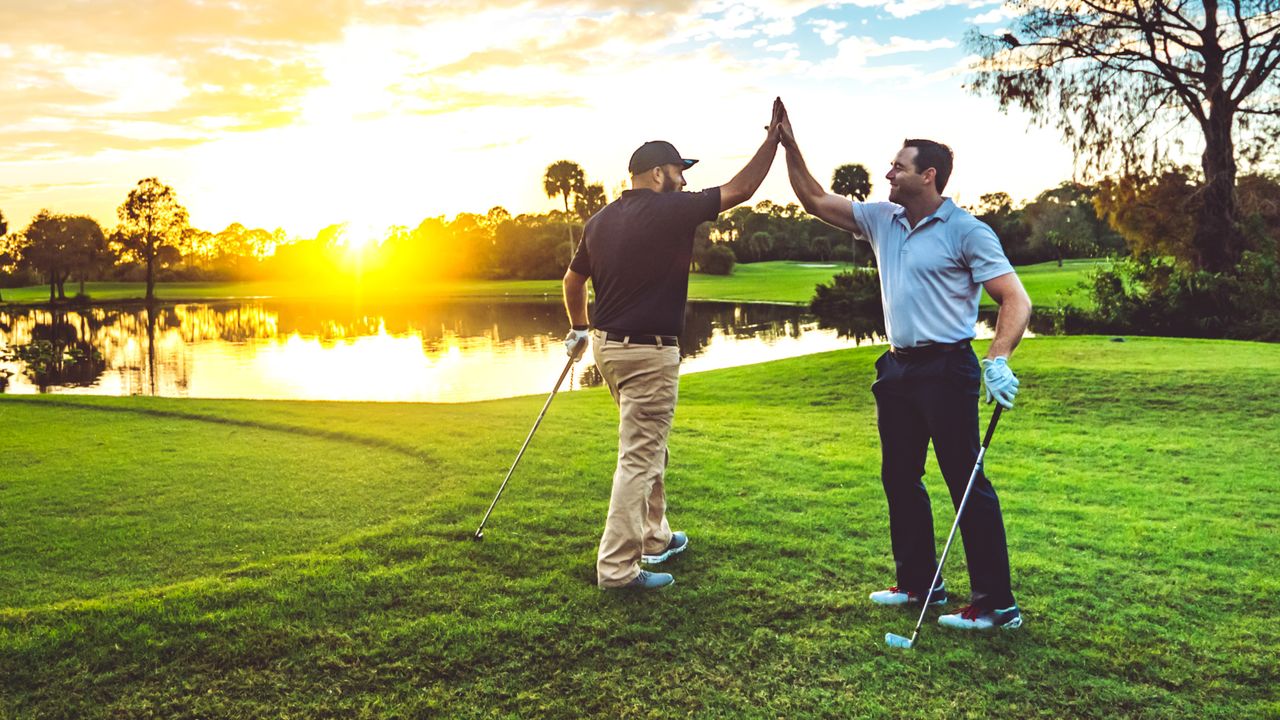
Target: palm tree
564,178
590,201
851,180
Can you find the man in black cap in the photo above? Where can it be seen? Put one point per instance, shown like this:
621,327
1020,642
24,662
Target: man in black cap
637,252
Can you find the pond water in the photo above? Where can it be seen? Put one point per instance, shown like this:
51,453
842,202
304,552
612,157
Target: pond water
454,351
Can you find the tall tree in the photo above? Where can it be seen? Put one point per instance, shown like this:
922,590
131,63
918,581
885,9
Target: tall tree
44,248
564,178
6,257
1059,226
152,224
59,246
89,253
851,180
1115,76
590,201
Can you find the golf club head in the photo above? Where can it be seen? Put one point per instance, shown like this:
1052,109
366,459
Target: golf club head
479,536
897,641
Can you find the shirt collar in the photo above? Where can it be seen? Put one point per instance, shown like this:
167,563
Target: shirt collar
943,213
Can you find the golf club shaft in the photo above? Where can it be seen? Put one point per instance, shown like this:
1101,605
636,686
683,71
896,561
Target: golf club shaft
977,468
559,381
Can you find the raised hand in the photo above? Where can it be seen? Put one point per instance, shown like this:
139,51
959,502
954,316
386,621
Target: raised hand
774,127
786,137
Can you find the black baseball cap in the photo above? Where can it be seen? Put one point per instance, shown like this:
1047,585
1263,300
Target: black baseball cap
654,153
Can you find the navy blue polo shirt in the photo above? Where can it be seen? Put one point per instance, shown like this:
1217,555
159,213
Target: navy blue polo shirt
637,252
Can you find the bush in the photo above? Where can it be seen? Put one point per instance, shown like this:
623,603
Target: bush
717,260
851,304
1154,296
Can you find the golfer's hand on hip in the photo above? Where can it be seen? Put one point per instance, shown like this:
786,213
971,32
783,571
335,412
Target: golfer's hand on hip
575,343
999,381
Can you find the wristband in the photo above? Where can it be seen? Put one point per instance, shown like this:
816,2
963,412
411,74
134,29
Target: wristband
580,327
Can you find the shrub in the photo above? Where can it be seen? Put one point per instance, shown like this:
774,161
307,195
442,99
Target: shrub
718,259
1155,296
851,304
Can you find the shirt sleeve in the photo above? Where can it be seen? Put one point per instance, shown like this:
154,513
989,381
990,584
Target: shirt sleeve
697,208
581,262
983,254
870,218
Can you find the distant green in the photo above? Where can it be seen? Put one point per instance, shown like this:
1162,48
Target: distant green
239,559
785,282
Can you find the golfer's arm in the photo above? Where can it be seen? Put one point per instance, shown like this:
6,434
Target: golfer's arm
834,210
747,181
575,297
1014,313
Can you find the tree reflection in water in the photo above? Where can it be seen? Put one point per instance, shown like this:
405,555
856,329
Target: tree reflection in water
56,352
450,351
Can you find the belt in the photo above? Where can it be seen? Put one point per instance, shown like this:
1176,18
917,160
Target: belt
928,350
663,340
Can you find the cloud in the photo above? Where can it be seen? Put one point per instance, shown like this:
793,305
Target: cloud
853,53
908,8
995,15
572,47
325,95
828,30
35,145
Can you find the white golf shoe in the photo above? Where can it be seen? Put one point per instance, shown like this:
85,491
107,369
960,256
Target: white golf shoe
901,596
973,618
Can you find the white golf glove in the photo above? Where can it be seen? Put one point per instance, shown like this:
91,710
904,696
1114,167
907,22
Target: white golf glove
999,380
575,343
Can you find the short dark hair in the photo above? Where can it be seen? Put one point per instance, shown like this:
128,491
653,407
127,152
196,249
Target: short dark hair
930,154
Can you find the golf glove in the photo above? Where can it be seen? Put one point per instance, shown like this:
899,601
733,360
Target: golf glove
572,342
999,380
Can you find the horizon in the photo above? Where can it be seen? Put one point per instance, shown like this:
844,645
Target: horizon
383,114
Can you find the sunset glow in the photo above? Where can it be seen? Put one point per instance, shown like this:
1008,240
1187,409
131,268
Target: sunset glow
303,115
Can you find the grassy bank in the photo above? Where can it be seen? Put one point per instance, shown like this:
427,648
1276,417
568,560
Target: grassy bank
787,282
170,558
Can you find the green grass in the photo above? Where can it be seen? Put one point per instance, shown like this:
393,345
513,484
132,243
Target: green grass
180,558
1050,285
784,282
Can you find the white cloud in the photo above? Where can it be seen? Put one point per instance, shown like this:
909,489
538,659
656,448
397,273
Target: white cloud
1000,14
779,28
907,8
828,30
859,48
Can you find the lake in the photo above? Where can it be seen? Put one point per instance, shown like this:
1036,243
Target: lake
452,351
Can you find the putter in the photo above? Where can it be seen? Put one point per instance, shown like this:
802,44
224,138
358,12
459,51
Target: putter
577,353
897,641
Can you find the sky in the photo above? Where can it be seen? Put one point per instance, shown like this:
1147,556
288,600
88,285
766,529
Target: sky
298,114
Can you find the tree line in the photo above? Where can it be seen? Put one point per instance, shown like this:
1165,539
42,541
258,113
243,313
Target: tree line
1140,213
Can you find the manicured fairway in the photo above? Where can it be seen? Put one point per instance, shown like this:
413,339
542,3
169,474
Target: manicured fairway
237,559
787,282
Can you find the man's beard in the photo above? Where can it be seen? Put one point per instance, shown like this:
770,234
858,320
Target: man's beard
669,184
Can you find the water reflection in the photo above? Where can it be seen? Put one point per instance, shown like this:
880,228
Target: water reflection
448,352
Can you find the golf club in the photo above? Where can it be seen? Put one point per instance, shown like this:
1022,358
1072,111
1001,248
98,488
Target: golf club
577,353
898,641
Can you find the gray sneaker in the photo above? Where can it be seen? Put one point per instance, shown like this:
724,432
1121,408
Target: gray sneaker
646,581
679,541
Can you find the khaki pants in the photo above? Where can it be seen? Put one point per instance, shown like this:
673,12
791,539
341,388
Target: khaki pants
643,380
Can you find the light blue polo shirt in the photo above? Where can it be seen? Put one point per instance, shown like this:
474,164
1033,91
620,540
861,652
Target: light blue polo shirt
931,276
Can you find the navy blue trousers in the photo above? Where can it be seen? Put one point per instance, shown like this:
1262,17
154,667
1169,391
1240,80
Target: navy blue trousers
936,398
